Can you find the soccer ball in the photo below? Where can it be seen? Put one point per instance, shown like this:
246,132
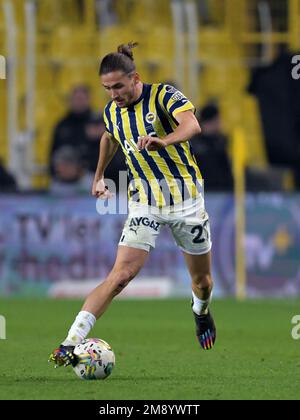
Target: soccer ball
96,359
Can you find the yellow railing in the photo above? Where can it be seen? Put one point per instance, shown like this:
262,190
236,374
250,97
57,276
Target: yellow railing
239,165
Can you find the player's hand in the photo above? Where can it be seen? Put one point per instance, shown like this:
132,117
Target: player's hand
100,190
150,143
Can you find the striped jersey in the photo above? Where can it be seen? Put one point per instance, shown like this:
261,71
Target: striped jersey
156,178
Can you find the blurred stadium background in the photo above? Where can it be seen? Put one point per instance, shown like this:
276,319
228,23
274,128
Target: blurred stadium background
236,54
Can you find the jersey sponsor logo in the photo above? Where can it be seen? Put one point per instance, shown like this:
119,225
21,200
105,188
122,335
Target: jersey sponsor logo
117,126
177,96
170,89
150,117
130,146
138,221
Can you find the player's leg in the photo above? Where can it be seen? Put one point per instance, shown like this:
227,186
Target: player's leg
199,267
137,239
191,230
128,263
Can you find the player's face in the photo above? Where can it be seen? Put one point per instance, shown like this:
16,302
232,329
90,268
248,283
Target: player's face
121,87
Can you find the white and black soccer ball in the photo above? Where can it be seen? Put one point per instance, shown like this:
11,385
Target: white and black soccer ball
96,359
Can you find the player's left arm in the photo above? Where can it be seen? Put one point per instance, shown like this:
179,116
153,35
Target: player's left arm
188,126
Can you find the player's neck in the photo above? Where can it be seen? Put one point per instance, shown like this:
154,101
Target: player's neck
138,92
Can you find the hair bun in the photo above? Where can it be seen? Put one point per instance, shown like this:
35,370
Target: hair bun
126,49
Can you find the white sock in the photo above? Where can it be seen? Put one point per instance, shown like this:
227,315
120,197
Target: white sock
200,307
82,325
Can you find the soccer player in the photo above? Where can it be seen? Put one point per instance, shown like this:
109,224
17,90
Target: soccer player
152,124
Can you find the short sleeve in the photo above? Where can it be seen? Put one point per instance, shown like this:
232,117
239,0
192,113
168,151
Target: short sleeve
107,122
174,101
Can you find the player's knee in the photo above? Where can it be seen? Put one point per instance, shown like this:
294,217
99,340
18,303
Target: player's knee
202,281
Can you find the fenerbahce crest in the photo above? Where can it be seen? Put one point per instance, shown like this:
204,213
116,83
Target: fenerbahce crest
150,117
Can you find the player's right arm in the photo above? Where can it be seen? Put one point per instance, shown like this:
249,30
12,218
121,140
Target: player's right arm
107,150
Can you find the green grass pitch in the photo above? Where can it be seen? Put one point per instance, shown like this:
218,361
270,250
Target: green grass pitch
157,355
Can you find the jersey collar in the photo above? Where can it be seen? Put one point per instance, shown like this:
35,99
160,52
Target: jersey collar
146,87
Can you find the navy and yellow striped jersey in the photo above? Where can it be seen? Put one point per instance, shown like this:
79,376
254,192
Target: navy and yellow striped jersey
157,178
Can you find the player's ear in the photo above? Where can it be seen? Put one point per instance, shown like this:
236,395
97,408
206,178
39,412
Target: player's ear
136,78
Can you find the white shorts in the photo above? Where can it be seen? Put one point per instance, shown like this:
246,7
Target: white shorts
188,222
